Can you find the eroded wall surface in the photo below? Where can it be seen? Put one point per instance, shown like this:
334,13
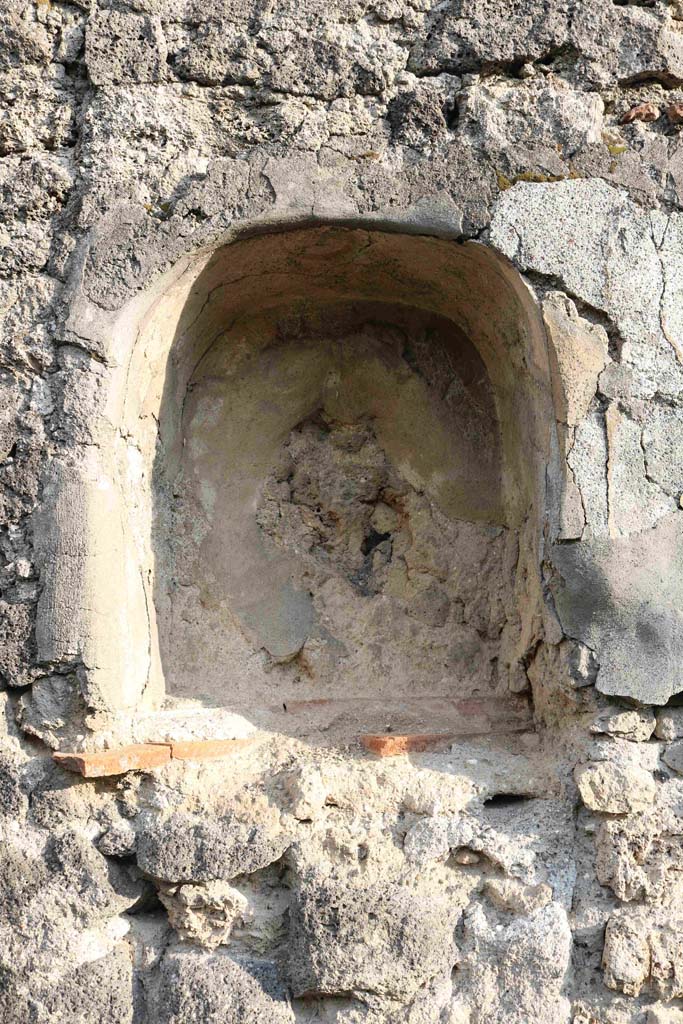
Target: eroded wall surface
527,870
357,581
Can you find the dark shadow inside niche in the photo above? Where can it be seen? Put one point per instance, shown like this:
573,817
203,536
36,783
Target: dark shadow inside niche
336,548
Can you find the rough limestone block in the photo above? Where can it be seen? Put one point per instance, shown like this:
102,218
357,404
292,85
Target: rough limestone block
534,221
578,355
522,121
586,460
623,598
205,914
662,439
187,849
643,951
307,792
516,970
16,644
664,1015
626,956
215,989
430,839
91,993
117,842
510,894
669,724
635,502
334,925
13,797
614,788
636,724
470,32
673,756
125,47
639,856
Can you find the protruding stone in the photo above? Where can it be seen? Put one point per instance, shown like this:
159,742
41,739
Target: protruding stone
385,939
578,354
511,894
117,842
669,724
307,792
614,788
673,756
205,914
427,840
636,724
189,849
664,1015
216,989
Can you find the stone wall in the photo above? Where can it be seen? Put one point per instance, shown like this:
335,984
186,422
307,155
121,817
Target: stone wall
451,236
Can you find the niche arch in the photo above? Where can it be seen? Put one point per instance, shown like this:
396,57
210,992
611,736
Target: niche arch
316,430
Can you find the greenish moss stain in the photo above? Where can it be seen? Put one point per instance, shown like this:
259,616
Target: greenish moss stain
535,177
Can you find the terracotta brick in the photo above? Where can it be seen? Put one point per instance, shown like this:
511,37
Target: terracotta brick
675,113
642,112
391,744
136,757
207,750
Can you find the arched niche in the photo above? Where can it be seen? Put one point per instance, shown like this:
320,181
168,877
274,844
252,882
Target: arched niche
325,483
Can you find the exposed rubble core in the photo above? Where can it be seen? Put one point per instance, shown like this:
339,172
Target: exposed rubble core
389,595
341,391
364,532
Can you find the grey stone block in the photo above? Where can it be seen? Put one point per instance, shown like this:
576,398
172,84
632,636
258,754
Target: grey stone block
385,939
212,988
185,849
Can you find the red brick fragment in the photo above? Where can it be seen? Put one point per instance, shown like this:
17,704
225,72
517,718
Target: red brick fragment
136,757
642,112
207,750
674,112
392,744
